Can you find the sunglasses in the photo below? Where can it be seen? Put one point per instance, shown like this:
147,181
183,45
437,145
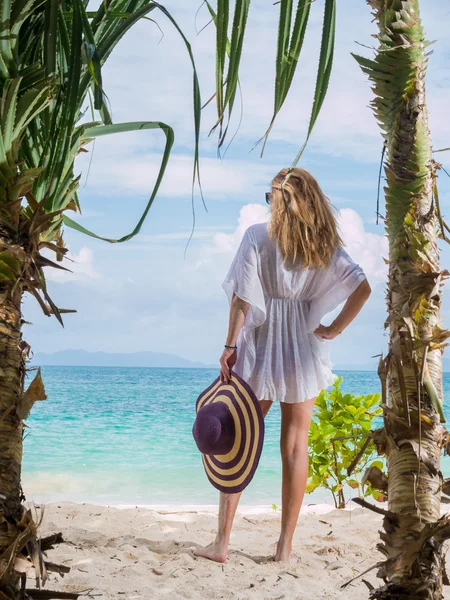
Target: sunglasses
269,194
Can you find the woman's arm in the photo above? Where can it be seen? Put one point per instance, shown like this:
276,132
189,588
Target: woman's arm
351,308
238,311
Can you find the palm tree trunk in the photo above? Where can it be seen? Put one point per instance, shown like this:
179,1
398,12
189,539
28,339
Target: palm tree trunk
12,370
18,273
413,534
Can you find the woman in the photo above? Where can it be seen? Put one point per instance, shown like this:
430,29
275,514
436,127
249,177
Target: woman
285,277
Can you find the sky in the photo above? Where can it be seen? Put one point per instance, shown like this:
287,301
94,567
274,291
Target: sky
147,294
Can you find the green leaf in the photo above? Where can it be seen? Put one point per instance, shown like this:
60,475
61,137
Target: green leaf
235,53
324,70
92,59
328,429
5,40
9,265
323,470
310,487
50,36
61,142
337,487
289,47
29,106
196,98
353,483
8,114
223,11
433,395
378,496
97,131
377,463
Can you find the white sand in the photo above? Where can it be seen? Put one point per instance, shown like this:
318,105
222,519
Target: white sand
142,553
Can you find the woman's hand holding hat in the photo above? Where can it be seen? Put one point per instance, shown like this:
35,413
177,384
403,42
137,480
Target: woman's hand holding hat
227,362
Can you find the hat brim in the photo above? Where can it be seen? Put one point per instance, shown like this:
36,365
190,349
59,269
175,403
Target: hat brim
232,472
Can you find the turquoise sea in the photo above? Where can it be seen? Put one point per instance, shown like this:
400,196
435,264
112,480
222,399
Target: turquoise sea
123,436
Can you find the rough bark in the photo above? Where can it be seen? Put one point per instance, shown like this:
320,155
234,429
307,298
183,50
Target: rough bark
413,533
12,370
19,271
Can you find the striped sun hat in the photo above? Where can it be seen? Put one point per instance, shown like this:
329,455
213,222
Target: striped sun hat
229,432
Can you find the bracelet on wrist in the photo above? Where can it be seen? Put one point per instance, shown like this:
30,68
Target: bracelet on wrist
230,347
335,328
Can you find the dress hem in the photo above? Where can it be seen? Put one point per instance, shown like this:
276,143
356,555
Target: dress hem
330,379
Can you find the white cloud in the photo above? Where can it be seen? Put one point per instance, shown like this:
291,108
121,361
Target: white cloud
365,248
250,214
207,266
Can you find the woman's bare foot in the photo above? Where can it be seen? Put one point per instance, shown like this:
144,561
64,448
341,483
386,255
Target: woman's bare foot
216,551
284,554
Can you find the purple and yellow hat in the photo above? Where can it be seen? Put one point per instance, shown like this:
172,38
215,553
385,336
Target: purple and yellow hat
229,432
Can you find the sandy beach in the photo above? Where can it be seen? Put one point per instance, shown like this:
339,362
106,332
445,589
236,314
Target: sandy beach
147,553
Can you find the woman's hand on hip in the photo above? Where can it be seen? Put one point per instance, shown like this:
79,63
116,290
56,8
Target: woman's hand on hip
326,333
227,362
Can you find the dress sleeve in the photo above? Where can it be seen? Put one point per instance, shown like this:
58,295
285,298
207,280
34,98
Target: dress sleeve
243,279
338,283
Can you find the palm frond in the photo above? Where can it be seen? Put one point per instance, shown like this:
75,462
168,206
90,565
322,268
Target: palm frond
324,70
98,131
291,35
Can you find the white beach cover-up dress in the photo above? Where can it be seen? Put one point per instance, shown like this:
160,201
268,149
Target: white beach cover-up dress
279,355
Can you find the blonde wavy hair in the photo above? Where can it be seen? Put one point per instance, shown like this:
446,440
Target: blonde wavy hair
303,222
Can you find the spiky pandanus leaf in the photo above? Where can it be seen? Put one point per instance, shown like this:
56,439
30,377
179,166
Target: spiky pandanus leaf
289,46
324,70
226,85
98,131
414,532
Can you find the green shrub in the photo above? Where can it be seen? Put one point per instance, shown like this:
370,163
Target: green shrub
338,433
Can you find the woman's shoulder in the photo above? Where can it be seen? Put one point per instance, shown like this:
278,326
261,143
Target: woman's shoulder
257,232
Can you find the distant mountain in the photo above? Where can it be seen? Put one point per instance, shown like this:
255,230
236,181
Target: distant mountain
82,358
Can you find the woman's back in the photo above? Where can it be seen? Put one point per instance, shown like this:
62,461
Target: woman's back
278,280
280,356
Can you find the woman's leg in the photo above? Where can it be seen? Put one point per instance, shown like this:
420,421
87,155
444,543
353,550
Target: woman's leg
295,422
218,549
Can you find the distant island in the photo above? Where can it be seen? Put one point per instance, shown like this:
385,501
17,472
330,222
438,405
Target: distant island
83,358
